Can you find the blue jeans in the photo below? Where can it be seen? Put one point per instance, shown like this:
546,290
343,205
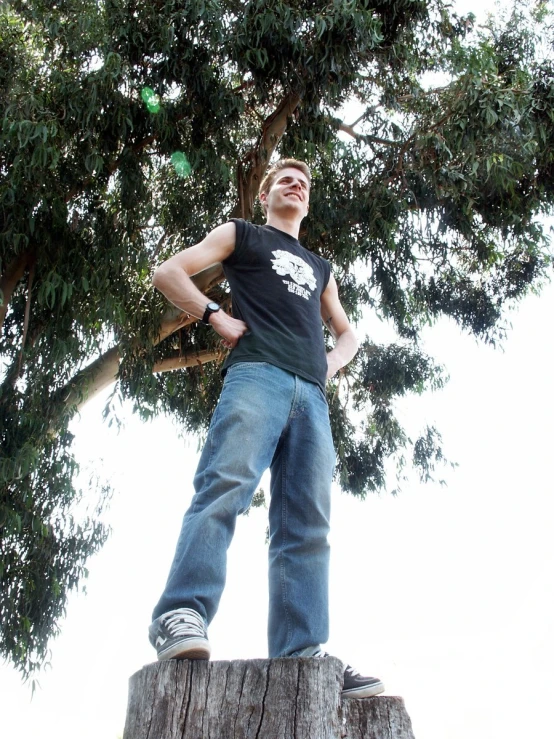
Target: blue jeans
266,417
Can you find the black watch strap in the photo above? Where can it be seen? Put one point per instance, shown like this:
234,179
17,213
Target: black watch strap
210,308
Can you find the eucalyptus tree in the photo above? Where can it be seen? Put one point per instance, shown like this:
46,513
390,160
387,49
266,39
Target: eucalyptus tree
129,129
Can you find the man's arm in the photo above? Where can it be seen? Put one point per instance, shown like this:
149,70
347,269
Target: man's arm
172,278
336,320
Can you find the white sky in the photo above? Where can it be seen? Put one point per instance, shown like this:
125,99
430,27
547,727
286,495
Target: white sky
444,593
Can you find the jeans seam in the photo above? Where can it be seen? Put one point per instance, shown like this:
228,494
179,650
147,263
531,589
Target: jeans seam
282,570
284,520
209,440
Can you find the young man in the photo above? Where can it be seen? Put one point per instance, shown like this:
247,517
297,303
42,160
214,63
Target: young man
272,413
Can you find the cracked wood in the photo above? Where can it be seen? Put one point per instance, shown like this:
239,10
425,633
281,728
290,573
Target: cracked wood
256,699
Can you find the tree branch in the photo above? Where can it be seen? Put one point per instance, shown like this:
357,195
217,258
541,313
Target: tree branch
366,138
101,373
192,360
13,273
91,380
27,312
252,168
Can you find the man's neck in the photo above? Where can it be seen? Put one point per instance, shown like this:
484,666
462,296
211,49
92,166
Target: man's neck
290,226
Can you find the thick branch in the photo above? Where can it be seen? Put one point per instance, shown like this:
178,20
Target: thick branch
92,380
251,169
27,315
14,272
101,373
257,159
187,360
175,319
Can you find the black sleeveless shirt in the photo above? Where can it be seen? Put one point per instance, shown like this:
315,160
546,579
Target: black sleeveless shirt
276,287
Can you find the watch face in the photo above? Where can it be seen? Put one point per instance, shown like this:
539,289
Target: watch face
212,306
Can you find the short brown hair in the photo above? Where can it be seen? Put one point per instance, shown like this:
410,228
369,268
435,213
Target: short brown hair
269,179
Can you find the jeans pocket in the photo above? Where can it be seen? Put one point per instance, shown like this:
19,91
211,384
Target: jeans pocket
236,365
323,394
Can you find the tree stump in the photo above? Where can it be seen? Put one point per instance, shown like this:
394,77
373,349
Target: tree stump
256,699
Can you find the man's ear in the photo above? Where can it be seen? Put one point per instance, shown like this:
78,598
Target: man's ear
262,197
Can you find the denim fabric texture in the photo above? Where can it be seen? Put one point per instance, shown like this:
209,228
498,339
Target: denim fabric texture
266,418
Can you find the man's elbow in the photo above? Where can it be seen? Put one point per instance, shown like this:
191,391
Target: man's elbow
159,278
352,339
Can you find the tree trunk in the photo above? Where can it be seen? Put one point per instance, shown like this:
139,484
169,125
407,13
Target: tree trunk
256,699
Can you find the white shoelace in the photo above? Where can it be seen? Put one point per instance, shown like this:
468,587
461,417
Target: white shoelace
184,622
352,671
348,668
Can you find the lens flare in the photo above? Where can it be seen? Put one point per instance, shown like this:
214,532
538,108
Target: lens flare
151,100
181,164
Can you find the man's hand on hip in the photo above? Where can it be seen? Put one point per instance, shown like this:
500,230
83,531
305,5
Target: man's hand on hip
230,329
333,364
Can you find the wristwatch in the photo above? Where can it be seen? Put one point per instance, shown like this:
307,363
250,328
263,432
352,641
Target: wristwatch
210,308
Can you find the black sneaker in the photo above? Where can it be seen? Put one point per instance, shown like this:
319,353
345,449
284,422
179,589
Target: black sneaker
180,634
356,685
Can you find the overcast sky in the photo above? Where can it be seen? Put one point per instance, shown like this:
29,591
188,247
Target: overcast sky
444,593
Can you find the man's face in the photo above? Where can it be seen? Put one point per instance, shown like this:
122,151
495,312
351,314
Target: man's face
290,192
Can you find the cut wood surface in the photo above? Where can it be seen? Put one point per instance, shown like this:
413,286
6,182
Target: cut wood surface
256,699
382,717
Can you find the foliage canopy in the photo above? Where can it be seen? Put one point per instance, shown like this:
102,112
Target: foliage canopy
428,205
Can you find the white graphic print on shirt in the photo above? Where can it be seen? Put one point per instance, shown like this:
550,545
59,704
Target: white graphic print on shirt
286,263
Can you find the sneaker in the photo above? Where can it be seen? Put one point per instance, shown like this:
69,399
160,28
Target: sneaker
180,634
356,685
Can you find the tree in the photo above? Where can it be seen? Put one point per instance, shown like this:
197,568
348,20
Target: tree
428,205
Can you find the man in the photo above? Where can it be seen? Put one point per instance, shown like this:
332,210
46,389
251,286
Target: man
272,413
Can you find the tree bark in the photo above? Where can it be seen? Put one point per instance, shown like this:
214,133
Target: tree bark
256,699
8,281
383,717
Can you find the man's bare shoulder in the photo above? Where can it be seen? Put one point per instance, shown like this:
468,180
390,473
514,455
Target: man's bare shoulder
221,239
215,247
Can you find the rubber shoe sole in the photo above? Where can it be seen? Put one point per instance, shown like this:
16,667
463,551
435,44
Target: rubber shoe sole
195,648
364,691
